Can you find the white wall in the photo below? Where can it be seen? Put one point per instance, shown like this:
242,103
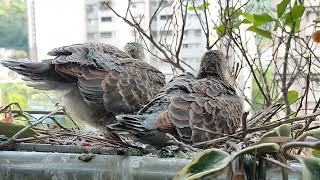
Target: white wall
58,23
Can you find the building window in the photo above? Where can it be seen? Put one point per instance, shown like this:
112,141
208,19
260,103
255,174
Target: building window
136,4
106,35
197,32
91,36
195,45
103,6
165,33
92,21
89,8
154,34
191,45
165,17
106,19
166,3
186,32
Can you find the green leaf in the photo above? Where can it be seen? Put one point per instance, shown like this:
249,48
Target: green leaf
209,161
281,7
317,20
3,138
260,19
215,161
310,167
246,21
272,133
261,32
200,7
235,14
314,153
294,15
284,130
221,30
293,96
281,134
313,133
261,148
203,5
191,8
9,130
248,17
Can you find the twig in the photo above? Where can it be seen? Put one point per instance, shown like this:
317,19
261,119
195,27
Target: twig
177,142
58,123
278,163
34,123
35,112
76,149
244,124
256,129
216,133
11,141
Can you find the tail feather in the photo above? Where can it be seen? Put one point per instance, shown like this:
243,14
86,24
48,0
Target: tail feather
40,75
132,123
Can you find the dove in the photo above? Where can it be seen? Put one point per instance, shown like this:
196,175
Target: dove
100,80
188,108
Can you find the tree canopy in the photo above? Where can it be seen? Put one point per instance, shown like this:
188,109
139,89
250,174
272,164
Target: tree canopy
13,24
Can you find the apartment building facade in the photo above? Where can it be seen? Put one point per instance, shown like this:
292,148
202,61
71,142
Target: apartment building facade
104,26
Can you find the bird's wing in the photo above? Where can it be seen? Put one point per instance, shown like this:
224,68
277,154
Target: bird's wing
124,87
212,105
40,75
80,53
43,75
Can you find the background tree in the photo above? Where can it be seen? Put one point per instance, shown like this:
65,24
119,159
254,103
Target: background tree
13,24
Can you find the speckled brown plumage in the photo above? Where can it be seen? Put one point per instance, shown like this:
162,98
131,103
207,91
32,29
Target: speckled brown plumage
102,80
208,102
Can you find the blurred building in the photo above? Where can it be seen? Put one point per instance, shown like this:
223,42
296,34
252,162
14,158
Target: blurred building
104,26
54,23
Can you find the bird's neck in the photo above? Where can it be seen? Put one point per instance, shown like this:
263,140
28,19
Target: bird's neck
213,72
219,75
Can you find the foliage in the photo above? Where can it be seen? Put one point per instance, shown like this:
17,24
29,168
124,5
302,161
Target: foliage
271,83
311,167
213,161
13,25
28,98
257,98
9,129
32,99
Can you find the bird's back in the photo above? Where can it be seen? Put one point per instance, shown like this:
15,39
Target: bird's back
100,76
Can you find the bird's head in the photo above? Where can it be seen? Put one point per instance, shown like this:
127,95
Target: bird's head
135,50
213,64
